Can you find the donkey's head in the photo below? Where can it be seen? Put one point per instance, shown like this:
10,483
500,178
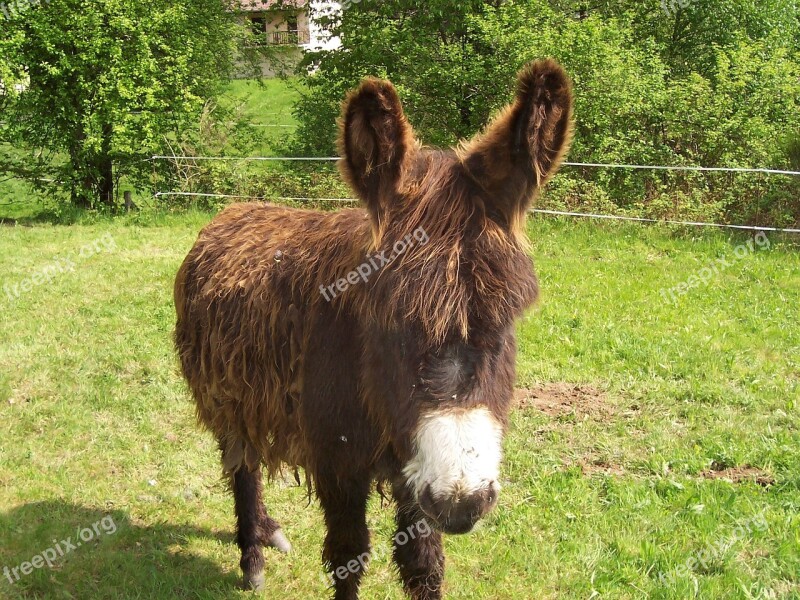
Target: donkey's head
440,346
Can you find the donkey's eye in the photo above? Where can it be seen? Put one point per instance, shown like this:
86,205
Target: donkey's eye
449,371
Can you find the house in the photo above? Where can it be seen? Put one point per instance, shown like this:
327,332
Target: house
289,28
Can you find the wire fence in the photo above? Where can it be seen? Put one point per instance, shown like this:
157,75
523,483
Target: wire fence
566,164
532,211
329,159
559,213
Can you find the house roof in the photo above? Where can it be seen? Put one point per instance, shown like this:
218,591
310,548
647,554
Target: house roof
260,5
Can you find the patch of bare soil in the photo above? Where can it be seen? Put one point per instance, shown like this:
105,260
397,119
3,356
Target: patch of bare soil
739,474
566,399
591,467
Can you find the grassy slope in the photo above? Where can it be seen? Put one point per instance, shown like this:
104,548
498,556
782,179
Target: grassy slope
268,103
268,108
95,421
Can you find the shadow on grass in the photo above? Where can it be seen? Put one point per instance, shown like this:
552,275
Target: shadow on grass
31,215
115,559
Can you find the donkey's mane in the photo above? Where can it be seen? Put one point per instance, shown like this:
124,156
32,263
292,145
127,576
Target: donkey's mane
471,269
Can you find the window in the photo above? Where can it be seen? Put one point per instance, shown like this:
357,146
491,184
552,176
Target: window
291,27
259,25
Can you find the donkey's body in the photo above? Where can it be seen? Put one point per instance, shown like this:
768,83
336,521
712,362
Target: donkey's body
404,375
253,319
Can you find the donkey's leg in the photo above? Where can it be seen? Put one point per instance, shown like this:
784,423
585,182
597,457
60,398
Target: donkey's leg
269,533
272,535
346,550
254,526
418,550
250,517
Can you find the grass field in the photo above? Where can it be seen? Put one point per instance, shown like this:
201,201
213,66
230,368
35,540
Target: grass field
268,102
655,452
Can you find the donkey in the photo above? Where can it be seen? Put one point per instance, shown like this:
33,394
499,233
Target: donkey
375,344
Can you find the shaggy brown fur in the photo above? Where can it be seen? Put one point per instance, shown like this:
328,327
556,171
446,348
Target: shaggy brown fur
283,376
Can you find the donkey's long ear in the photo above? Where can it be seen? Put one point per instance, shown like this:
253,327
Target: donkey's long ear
375,141
524,146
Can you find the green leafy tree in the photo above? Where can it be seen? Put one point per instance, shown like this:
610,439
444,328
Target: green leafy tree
632,107
688,32
431,50
107,83
714,82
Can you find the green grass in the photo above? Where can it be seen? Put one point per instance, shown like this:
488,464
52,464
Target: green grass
268,102
96,421
268,107
16,200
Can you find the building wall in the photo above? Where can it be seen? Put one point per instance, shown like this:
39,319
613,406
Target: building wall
278,21
320,40
310,35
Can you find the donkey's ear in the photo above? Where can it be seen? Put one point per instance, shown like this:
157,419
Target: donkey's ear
375,141
524,146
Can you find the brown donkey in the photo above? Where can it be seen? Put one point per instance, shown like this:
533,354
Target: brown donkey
375,344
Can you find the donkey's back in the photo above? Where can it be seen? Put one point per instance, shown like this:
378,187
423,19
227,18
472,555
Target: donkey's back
242,297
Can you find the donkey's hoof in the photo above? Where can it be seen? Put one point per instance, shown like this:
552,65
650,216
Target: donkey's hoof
254,583
279,542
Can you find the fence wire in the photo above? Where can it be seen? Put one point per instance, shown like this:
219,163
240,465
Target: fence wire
533,211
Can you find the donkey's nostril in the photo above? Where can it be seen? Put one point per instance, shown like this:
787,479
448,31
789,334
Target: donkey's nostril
458,512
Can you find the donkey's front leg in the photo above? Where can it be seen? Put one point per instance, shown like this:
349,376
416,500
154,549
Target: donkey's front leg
346,550
418,550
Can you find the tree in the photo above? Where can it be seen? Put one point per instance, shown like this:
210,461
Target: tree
107,83
432,52
689,32
650,88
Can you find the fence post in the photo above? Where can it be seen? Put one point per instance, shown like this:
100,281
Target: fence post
129,202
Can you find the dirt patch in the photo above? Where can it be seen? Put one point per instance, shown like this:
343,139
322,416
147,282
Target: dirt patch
591,467
566,400
739,475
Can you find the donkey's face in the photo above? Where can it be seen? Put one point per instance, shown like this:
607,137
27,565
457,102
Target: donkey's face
440,348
